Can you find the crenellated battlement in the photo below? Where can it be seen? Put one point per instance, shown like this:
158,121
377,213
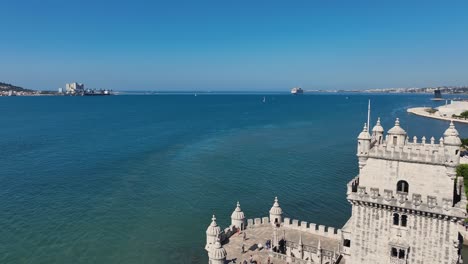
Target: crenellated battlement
251,223
396,145
312,228
423,151
295,224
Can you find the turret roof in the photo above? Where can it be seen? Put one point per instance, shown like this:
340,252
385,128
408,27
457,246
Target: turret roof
276,209
213,229
238,214
378,127
364,134
451,136
397,130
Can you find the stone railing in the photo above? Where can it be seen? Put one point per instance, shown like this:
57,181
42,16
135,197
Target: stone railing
287,259
312,228
278,256
397,261
309,249
298,260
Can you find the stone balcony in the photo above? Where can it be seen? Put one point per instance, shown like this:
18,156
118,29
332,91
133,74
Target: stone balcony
416,202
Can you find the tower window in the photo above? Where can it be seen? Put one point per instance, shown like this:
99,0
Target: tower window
403,186
396,219
395,139
401,254
404,220
398,253
347,243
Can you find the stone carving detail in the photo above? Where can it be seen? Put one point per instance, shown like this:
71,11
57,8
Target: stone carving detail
361,191
388,195
402,197
431,201
417,199
374,193
447,203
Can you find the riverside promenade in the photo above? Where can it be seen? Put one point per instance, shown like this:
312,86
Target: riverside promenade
421,111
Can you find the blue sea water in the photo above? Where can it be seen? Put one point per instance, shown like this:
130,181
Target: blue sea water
135,179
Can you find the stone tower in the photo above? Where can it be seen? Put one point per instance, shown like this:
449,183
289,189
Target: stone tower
276,213
364,140
238,218
378,132
407,203
212,233
217,254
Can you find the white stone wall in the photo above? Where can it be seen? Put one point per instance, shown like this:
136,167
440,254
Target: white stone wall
429,239
424,179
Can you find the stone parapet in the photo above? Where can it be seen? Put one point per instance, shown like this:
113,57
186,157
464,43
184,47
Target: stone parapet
251,223
422,152
312,228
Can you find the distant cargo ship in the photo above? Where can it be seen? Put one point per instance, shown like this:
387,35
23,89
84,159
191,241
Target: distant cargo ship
297,90
90,92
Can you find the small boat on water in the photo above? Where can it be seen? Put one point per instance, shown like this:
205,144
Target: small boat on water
264,99
297,90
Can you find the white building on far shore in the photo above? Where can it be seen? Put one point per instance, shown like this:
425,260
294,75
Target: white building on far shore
74,87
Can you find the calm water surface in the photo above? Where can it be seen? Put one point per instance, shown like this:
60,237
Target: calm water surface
135,179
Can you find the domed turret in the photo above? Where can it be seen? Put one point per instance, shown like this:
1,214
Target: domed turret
377,132
451,136
276,213
452,145
212,232
364,134
364,140
238,218
217,254
396,134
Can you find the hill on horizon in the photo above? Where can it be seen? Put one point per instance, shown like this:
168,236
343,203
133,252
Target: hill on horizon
8,87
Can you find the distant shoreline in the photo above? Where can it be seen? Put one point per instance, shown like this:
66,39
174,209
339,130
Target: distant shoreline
421,111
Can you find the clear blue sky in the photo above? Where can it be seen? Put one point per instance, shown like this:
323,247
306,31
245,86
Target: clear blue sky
233,45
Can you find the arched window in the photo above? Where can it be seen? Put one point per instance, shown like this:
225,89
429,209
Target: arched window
402,186
394,252
396,219
404,220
